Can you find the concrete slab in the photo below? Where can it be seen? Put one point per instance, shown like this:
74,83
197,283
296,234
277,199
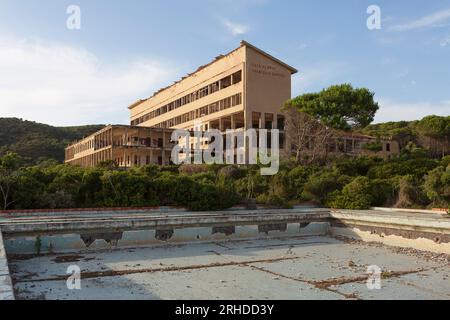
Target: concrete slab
212,283
288,268
335,260
431,284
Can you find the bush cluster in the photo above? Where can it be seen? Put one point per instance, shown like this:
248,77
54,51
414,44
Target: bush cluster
412,179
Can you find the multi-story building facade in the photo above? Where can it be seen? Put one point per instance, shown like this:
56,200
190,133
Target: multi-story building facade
242,89
127,146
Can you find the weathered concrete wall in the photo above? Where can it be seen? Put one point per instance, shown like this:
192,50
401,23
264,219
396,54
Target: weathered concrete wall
6,289
396,228
87,230
158,221
59,243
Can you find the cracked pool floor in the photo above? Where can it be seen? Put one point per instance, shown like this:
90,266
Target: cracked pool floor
290,268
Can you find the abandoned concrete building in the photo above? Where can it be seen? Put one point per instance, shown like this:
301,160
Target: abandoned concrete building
127,146
242,89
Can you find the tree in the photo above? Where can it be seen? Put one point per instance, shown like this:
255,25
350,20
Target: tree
340,107
9,165
305,135
437,186
402,131
320,185
355,195
409,194
437,130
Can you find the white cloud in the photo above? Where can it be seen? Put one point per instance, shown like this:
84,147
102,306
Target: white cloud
63,85
433,20
395,111
235,28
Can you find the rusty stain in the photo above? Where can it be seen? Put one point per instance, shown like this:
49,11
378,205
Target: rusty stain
325,284
347,296
112,273
266,228
164,235
227,230
68,258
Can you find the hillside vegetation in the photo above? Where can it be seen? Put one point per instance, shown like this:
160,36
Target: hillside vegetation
36,142
411,180
431,133
418,177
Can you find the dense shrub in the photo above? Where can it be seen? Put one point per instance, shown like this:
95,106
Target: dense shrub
437,186
321,184
409,194
273,200
412,179
445,162
373,146
356,167
384,192
355,195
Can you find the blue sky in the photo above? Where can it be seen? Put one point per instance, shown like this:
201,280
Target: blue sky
127,50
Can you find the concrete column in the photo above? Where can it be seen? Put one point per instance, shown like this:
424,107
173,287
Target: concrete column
233,124
164,137
150,136
275,121
164,146
139,135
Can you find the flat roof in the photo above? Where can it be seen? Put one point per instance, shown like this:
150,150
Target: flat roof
243,43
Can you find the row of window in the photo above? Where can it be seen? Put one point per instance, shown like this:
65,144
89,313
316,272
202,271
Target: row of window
223,104
135,160
203,92
83,146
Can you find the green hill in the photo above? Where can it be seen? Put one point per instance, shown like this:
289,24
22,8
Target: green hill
36,141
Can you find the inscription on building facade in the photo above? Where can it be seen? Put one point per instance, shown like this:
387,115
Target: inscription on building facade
266,70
